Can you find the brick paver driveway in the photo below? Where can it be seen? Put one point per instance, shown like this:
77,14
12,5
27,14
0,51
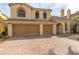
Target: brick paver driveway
38,46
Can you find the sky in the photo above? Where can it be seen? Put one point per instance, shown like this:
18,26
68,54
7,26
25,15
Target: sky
56,7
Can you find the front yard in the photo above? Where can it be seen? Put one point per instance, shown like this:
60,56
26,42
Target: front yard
39,45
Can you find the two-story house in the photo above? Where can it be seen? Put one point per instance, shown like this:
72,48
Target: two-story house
26,20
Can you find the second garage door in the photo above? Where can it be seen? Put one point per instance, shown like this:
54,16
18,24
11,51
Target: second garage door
47,30
25,30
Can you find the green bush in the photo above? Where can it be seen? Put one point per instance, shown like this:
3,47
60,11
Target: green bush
4,33
1,35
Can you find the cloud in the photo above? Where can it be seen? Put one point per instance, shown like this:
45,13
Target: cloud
73,5
66,4
56,7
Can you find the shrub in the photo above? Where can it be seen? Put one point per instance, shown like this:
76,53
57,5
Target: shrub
4,33
1,35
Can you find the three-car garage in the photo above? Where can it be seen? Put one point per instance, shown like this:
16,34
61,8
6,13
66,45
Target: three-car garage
30,29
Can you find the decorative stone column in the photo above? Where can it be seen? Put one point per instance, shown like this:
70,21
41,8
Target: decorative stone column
41,29
63,27
10,31
68,27
33,16
54,29
41,15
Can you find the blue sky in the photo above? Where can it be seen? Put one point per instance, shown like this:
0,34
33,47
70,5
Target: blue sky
56,7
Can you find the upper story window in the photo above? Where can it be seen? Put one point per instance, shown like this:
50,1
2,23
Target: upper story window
65,26
36,14
21,13
45,15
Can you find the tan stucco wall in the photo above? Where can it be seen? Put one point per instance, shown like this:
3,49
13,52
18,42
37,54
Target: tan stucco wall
15,8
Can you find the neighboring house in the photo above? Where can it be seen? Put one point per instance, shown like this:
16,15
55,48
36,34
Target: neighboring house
3,17
75,22
26,20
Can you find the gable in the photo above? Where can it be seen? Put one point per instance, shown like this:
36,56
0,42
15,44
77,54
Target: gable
11,4
15,7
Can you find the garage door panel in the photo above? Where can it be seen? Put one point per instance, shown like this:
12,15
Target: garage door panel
47,30
24,30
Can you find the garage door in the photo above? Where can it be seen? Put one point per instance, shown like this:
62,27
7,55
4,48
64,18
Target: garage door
47,29
25,30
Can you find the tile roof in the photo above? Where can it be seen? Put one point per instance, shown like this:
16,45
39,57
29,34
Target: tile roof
29,20
10,4
52,19
56,18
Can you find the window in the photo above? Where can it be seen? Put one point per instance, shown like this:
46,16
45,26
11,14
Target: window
65,26
45,15
37,14
21,13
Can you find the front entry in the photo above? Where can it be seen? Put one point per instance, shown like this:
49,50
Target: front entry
59,28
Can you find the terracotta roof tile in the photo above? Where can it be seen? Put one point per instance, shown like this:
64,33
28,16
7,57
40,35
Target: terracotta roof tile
29,20
56,18
53,19
10,4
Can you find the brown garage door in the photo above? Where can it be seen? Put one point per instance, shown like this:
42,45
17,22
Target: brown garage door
24,30
47,29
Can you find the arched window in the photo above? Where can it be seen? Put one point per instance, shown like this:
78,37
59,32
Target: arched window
45,15
36,14
21,13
